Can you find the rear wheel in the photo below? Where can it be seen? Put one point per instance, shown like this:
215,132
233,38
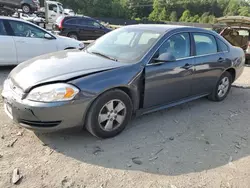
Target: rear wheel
73,36
109,114
222,88
26,8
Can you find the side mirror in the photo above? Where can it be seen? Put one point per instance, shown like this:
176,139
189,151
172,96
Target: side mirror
165,57
47,36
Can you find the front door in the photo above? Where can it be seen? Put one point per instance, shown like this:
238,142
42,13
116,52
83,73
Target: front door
30,41
168,82
97,29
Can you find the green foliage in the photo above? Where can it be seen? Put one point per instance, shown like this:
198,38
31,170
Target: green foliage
203,11
163,15
173,16
185,16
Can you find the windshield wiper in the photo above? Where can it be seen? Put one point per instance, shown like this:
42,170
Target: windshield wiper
105,56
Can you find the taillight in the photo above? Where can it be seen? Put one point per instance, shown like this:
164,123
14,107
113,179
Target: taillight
60,24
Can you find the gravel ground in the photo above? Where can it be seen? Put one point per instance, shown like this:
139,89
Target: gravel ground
194,145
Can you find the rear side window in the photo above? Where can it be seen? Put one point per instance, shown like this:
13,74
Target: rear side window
2,28
71,22
205,44
222,46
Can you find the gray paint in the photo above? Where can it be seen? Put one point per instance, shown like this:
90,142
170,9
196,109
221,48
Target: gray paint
151,87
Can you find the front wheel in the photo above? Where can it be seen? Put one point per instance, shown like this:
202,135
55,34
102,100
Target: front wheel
73,36
222,88
109,114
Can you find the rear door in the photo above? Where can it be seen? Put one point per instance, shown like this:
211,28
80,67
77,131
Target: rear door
30,40
209,62
8,55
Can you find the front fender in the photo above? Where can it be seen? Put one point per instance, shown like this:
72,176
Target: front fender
128,78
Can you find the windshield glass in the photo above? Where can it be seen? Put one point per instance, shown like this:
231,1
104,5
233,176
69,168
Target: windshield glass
60,7
125,44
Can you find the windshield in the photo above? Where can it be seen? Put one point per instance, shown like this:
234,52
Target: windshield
60,7
125,44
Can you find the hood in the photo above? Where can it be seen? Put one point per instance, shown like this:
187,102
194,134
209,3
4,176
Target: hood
59,66
238,21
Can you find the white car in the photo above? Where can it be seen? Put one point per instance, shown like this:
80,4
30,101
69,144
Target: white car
69,12
21,40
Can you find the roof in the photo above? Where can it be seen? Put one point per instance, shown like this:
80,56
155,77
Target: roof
11,18
160,27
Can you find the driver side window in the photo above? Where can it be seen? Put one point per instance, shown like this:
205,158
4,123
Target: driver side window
21,29
177,45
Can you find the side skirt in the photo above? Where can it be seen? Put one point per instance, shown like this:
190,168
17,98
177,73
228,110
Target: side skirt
162,107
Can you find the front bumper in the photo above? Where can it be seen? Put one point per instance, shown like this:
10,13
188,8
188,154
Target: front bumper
44,116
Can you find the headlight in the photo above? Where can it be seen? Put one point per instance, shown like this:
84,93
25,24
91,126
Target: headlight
53,93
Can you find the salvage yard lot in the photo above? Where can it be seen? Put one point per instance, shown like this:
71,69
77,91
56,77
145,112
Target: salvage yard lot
198,144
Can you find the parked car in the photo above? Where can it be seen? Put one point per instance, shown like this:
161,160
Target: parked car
27,6
80,27
22,40
237,32
132,70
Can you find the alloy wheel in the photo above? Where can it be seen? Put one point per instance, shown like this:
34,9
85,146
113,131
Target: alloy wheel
112,115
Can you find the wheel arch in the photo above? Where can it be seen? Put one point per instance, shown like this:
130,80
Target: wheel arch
232,71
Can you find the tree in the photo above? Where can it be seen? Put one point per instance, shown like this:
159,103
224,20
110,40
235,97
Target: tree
244,11
163,15
186,15
195,18
173,16
204,18
154,15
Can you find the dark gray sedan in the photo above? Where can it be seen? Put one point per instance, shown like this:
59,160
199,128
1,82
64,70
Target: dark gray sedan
133,70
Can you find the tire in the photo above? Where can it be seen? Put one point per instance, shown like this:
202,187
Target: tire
73,36
26,8
101,129
218,96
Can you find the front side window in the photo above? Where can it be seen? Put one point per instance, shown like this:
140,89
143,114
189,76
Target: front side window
94,24
177,45
53,7
22,29
82,22
2,28
125,44
205,44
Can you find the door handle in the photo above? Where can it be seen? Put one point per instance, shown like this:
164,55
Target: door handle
187,66
221,60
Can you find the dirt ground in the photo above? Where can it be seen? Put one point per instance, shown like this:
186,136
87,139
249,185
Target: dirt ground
200,144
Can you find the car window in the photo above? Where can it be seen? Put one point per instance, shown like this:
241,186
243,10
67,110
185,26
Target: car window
125,38
222,46
93,24
178,45
82,22
53,7
71,21
147,37
123,44
243,33
205,44
2,28
22,29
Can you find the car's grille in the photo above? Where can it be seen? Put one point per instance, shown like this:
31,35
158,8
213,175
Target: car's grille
40,123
